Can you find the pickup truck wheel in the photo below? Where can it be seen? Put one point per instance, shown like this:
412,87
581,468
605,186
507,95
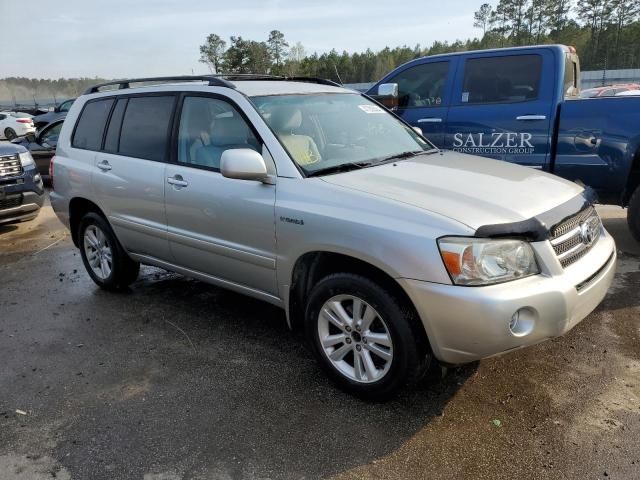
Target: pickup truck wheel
633,214
105,260
10,134
362,337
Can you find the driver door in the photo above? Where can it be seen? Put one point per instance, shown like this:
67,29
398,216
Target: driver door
423,97
44,146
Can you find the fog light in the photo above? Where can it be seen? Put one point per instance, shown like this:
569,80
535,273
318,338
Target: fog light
522,321
37,178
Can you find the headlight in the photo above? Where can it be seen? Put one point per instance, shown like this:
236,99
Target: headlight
26,159
482,261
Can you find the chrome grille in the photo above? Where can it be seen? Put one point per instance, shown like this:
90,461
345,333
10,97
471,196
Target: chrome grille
573,238
10,166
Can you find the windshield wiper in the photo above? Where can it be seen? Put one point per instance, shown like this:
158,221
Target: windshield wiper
344,167
402,156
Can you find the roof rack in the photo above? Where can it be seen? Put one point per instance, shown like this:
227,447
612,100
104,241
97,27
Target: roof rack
264,76
216,80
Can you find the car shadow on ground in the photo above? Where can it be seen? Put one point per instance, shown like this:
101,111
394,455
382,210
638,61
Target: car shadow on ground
8,228
237,390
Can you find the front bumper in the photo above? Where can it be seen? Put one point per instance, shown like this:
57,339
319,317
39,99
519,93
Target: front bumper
465,324
27,210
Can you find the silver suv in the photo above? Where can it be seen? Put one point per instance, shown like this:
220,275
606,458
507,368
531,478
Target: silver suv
386,251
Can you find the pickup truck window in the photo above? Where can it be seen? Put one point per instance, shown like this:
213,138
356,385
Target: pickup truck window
504,79
422,85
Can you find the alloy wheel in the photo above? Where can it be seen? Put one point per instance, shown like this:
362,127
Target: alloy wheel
355,338
98,252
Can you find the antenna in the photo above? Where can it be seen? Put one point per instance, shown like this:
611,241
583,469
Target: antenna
337,74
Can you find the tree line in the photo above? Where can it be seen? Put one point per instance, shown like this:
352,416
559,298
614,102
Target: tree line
606,34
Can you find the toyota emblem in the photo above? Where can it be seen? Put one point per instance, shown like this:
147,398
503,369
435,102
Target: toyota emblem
589,231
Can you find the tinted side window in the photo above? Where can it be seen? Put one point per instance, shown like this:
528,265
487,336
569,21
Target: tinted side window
502,79
113,132
145,127
50,135
423,85
65,106
208,127
91,124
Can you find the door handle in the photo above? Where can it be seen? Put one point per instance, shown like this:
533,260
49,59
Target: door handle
177,181
531,117
430,120
104,166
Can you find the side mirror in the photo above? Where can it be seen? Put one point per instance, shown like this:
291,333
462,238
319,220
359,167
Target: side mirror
31,137
418,130
388,95
243,164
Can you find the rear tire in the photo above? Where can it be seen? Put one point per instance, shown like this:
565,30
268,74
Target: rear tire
633,214
368,348
105,260
10,133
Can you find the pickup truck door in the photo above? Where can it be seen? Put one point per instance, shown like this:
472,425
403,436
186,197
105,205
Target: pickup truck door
502,107
424,90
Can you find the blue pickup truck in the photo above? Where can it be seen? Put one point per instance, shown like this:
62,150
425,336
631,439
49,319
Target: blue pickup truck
522,105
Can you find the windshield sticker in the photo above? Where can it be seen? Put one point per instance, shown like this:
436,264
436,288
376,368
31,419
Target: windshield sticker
493,143
465,97
370,109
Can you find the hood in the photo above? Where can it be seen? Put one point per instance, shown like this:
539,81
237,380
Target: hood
473,190
10,149
48,117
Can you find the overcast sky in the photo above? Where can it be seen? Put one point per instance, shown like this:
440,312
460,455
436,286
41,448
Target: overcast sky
120,38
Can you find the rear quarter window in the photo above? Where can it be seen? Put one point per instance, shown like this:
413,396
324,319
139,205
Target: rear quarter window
504,79
91,123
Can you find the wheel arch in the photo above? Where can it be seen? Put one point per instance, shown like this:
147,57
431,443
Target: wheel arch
312,266
78,208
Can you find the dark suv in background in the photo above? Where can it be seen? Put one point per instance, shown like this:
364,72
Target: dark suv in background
21,187
42,146
58,113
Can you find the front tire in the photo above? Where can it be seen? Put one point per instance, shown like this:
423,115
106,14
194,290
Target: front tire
363,337
105,260
633,214
10,133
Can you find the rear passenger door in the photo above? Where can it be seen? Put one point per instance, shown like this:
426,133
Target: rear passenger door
219,226
502,107
423,96
129,172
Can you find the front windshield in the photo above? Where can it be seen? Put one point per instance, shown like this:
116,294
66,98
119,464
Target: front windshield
330,132
589,93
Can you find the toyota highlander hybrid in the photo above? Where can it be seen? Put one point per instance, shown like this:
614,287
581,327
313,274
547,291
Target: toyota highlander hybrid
385,251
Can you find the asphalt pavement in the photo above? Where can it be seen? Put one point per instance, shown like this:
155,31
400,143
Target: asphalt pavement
176,379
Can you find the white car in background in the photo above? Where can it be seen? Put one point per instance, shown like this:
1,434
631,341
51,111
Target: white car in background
628,93
14,125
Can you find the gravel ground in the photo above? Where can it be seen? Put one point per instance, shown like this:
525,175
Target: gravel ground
180,380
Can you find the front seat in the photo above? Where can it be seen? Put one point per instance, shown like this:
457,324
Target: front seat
226,133
284,121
